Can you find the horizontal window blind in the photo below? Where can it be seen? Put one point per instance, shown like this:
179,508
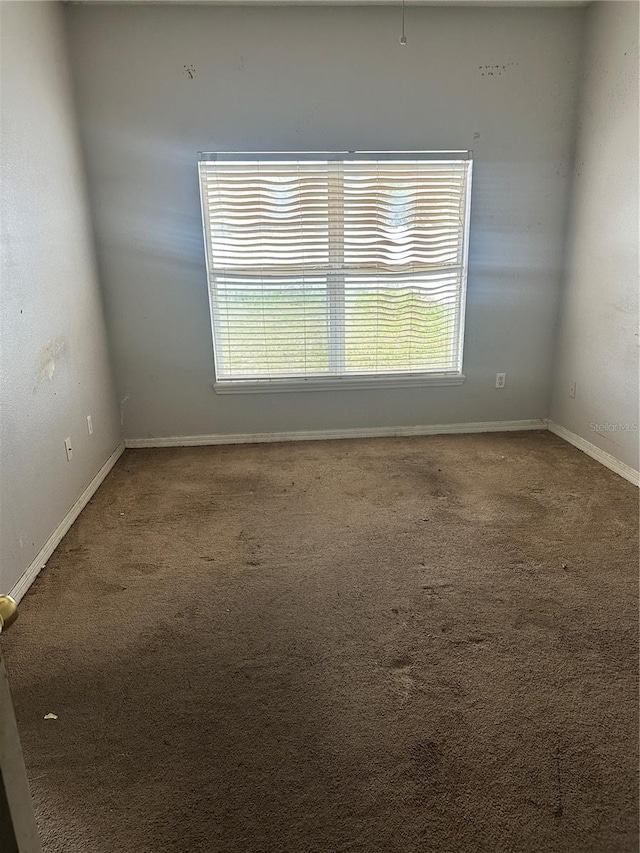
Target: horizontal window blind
335,265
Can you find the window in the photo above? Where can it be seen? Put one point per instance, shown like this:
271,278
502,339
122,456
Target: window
336,270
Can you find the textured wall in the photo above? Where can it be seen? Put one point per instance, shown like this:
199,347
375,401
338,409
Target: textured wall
598,333
54,361
156,84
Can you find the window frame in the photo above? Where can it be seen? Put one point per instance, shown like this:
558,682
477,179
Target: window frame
335,293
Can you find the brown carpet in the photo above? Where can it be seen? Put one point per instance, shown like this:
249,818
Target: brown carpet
393,645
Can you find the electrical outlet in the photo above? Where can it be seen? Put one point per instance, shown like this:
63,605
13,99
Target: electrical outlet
90,424
68,449
501,380
572,388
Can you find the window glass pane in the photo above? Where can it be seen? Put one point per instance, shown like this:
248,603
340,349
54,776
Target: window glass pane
401,324
271,327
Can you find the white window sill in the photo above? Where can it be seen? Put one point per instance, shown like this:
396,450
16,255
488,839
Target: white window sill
347,383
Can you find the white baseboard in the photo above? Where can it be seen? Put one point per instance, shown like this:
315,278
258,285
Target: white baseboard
322,435
601,456
56,537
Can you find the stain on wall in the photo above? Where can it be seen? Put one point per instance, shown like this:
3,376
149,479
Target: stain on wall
50,358
496,70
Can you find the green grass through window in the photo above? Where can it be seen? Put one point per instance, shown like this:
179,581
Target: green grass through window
287,333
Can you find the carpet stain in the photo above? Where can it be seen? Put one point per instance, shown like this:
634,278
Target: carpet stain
425,757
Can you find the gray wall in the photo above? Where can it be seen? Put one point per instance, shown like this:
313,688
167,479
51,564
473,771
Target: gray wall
500,81
598,333
54,361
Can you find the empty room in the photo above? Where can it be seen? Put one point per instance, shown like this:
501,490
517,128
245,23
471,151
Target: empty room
319,427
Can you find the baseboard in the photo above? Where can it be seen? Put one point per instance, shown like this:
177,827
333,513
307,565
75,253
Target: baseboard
56,537
601,456
323,435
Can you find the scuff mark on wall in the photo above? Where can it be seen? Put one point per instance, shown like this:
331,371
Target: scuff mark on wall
50,356
122,402
496,70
